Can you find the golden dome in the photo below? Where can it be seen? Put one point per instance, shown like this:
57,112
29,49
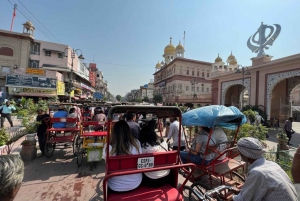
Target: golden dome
218,59
179,47
170,49
158,65
231,57
233,62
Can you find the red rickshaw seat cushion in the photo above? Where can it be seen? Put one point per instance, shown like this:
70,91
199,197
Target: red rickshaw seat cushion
163,193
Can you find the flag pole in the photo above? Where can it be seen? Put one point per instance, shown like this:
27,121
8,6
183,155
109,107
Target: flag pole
184,39
13,17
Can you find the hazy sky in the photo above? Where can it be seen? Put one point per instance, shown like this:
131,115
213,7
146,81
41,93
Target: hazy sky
126,38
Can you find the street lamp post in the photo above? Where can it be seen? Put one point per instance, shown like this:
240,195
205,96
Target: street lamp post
71,81
243,78
193,83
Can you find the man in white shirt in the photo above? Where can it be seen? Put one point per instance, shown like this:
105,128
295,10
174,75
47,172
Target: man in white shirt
265,180
174,134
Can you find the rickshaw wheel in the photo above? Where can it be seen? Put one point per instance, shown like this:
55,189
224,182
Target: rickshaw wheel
49,148
200,187
76,144
79,153
189,194
239,176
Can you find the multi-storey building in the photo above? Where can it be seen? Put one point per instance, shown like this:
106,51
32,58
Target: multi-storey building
180,80
38,68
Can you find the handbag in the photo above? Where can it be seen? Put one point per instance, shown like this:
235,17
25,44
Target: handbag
1,110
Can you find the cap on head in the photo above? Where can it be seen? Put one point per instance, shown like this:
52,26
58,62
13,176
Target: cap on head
250,147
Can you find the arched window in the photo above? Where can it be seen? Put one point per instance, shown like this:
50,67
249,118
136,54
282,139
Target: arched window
6,51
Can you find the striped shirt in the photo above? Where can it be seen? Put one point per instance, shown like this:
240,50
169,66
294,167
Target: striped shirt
266,181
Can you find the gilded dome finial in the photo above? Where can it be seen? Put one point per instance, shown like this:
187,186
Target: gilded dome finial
170,40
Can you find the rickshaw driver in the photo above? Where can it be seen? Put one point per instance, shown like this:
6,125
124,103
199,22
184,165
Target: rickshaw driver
265,180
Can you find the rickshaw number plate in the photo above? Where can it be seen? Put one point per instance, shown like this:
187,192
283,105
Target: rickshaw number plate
145,163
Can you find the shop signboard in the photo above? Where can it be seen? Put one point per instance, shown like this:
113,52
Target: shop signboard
60,88
35,71
29,81
31,92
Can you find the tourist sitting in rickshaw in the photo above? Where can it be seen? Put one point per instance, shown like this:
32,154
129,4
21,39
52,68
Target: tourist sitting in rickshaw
151,143
72,114
221,141
123,143
198,147
61,113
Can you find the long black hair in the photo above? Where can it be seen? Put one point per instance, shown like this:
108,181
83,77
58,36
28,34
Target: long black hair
148,136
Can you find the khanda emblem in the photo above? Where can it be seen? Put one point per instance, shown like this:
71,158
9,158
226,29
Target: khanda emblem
258,44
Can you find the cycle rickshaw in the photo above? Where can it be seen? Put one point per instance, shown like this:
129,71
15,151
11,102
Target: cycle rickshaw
226,171
62,135
132,164
92,135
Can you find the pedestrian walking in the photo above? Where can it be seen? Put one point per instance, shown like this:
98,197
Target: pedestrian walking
6,113
288,129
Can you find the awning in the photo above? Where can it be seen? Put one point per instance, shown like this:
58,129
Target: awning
52,50
35,94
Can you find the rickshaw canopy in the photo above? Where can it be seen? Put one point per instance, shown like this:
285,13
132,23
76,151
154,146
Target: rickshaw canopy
214,115
161,112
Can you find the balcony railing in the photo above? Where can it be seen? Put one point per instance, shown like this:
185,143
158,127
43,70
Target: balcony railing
33,52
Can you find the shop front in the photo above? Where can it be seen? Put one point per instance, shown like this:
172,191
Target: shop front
86,92
29,86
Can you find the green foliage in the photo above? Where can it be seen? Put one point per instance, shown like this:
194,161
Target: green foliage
27,111
256,108
146,99
281,134
157,98
250,114
4,137
248,130
118,97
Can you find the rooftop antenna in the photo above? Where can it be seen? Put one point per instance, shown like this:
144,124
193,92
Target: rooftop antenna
13,17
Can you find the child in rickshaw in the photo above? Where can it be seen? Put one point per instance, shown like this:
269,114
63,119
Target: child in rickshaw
198,147
123,143
150,144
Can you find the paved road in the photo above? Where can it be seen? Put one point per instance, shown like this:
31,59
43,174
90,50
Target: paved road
59,179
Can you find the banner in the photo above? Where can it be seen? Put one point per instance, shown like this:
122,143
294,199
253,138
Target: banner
28,81
60,88
35,71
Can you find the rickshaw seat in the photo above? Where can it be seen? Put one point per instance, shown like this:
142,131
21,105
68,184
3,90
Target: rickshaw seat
50,121
225,167
164,193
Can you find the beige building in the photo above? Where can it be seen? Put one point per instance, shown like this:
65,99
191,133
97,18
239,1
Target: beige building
180,80
268,83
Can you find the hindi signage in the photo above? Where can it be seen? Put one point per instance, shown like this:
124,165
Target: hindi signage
28,81
35,71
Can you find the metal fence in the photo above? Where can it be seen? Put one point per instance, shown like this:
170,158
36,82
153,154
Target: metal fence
15,133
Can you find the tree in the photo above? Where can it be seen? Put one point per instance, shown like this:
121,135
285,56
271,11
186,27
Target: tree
118,97
157,98
146,99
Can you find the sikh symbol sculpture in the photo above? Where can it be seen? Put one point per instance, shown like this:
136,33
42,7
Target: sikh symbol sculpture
263,41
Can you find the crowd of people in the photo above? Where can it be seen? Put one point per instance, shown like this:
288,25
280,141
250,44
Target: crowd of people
265,180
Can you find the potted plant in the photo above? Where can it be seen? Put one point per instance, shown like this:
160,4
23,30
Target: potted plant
29,150
282,139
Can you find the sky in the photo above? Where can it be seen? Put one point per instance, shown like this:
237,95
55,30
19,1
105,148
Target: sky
126,38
